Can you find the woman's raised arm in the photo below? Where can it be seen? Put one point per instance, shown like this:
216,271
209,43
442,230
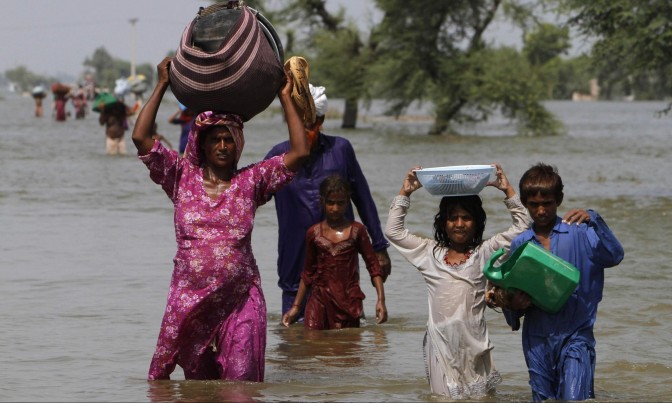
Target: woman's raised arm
299,149
144,124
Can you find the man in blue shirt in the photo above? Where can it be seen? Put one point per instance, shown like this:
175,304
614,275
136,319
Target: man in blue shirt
298,204
559,348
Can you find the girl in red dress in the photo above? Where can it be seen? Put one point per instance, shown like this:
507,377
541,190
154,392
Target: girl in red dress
330,272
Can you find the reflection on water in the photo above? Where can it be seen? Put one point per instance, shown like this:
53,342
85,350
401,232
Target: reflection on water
87,243
203,391
304,349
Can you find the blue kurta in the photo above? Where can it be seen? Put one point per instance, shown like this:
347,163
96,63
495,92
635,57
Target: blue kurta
298,204
559,348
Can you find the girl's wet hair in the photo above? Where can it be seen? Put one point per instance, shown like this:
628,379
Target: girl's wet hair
334,183
541,179
472,204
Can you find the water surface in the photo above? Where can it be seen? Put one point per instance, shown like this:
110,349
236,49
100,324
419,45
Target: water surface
87,242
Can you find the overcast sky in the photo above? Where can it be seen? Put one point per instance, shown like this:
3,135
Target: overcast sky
52,37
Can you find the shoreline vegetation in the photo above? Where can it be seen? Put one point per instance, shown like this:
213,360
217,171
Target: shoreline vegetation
416,120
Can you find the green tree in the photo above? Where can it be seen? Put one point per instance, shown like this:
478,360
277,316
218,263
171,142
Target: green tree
573,74
108,69
344,76
505,83
434,50
638,33
425,50
543,47
337,54
103,65
26,79
633,39
545,43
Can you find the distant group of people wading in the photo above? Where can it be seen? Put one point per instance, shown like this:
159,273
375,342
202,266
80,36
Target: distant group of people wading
61,95
114,114
214,326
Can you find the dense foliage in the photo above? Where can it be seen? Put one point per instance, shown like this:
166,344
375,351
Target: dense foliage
25,79
108,69
632,49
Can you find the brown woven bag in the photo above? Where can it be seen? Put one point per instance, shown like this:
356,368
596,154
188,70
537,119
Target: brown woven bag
241,74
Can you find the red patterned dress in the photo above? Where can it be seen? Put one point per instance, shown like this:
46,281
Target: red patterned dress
331,272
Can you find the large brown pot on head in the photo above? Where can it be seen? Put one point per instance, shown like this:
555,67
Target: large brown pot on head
229,60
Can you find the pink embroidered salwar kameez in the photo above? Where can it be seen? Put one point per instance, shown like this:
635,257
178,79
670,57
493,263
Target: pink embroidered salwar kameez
214,326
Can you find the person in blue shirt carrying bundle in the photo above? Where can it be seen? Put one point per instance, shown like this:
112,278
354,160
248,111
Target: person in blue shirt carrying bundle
298,204
559,348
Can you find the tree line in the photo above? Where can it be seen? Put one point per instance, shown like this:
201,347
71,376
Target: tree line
101,65
436,52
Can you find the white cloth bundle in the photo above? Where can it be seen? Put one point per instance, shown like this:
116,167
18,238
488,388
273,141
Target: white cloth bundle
320,98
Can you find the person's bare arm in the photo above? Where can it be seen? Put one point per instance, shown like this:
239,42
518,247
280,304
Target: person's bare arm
381,309
291,315
384,262
411,183
142,131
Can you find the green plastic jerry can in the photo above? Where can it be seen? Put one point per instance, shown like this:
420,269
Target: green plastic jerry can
547,279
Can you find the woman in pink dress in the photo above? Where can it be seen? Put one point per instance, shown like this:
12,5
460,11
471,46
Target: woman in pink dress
214,326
